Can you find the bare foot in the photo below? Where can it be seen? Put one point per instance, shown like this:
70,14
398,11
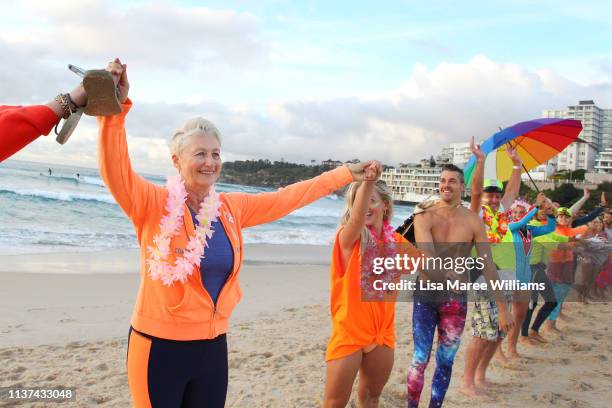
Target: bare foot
528,341
551,327
514,365
513,355
470,391
536,336
500,357
484,383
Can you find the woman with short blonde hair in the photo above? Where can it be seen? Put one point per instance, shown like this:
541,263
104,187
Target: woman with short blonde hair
191,250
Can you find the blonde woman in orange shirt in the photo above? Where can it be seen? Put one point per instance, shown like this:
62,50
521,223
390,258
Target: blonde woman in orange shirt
363,337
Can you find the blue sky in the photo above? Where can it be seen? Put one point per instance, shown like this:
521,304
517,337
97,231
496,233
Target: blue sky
389,37
353,47
340,79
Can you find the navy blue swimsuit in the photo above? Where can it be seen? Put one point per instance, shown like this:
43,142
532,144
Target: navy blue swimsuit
218,260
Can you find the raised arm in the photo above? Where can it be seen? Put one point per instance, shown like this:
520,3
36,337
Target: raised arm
513,226
541,201
514,184
351,231
593,214
255,209
549,227
131,191
578,204
477,177
587,218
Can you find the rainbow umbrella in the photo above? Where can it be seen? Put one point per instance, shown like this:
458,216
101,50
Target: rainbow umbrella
536,142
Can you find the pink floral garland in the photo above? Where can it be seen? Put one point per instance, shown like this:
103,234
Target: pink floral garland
389,249
388,233
170,225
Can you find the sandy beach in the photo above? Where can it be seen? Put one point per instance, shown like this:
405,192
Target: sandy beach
65,318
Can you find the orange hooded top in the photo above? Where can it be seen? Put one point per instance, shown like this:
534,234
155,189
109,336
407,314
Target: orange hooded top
186,311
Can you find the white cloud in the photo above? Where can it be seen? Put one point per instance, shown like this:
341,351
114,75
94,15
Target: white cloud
25,76
171,48
448,103
150,34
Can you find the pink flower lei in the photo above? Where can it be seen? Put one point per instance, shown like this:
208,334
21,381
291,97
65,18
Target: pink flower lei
389,249
158,266
388,233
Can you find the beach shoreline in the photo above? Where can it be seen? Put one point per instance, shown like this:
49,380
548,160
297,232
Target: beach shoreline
90,295
70,329
128,260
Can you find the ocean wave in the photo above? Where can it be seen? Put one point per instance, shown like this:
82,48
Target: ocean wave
94,181
315,211
288,237
60,177
59,195
82,179
312,223
26,240
231,188
53,243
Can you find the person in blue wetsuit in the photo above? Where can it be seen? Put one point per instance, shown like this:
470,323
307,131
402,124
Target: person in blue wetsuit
517,256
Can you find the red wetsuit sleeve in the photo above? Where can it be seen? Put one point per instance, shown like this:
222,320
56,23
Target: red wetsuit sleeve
21,125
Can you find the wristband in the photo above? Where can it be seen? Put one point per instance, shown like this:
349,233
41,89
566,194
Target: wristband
515,167
68,107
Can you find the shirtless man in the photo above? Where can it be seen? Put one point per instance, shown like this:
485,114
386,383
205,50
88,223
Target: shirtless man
446,222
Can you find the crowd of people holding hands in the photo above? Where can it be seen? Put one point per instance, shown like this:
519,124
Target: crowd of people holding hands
191,249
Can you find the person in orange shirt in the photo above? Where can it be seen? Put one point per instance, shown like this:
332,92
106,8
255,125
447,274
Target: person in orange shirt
363,317
191,247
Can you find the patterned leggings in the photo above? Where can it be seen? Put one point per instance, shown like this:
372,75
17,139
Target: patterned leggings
449,316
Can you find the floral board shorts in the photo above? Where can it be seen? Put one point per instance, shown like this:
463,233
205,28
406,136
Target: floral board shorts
485,318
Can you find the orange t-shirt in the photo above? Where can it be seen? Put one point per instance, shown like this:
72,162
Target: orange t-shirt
561,261
357,324
565,255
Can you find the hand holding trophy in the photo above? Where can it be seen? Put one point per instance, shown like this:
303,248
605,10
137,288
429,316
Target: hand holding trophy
99,94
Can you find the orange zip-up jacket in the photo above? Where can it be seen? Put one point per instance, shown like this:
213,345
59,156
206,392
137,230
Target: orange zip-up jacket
21,125
186,311
358,324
